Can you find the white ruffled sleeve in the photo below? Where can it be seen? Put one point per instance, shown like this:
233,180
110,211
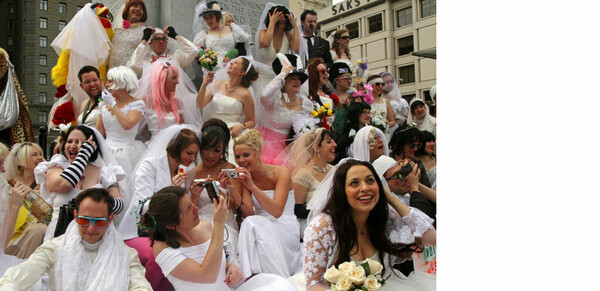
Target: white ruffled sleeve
272,92
200,39
39,172
169,259
239,35
411,226
138,105
318,248
111,174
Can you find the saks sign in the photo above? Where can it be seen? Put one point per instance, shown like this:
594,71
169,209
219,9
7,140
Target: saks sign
346,5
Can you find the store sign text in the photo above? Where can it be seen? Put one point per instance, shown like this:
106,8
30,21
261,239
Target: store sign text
346,5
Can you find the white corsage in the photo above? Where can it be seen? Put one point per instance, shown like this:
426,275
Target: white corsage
348,276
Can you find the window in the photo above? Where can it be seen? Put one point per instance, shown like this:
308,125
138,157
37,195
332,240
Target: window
43,41
42,116
427,8
43,60
44,5
42,97
353,29
11,41
408,97
407,74
11,8
404,17
43,23
330,32
61,25
375,23
62,8
405,45
79,8
11,24
43,78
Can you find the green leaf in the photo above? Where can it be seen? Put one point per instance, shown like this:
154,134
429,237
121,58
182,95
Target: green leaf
365,266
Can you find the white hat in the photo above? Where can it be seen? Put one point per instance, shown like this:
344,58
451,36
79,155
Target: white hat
382,164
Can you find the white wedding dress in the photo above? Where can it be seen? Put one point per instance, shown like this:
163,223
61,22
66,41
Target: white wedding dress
229,110
265,75
124,43
268,244
170,258
126,149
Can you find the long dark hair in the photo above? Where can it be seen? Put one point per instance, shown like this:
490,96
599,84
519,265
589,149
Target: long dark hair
314,79
346,233
87,132
164,211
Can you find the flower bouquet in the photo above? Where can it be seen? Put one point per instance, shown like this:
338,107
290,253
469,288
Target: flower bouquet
208,59
322,113
362,67
348,276
379,122
366,95
64,114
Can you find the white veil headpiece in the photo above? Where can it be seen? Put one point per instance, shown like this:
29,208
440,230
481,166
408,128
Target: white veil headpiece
185,94
361,146
87,42
394,94
427,123
198,23
262,26
301,151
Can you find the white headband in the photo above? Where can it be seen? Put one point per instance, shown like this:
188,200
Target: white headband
376,80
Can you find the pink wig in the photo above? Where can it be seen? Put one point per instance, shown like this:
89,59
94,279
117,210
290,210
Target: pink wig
159,97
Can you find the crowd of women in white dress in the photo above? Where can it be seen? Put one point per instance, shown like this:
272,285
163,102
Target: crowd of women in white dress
244,182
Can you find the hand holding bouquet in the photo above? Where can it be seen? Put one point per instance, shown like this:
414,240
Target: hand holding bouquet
208,59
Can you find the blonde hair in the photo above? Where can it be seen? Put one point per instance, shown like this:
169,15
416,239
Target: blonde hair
251,138
21,155
3,151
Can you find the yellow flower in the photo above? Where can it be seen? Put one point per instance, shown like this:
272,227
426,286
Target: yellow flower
329,112
326,105
321,110
359,62
314,113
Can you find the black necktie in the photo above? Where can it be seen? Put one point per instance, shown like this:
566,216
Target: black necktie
308,40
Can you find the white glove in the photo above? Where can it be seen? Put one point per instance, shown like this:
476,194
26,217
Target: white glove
108,98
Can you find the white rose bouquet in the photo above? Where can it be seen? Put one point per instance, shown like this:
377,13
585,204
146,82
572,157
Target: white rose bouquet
379,122
348,276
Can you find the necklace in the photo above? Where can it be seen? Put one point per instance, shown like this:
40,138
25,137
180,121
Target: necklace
228,90
319,169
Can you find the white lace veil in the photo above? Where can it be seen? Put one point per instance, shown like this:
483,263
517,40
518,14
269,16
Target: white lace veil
185,94
302,150
427,123
86,40
262,26
394,94
198,23
360,146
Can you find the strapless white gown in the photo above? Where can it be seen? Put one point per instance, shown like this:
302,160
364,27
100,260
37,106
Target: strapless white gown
229,110
268,244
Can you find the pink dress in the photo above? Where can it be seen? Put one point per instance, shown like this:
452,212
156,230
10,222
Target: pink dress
276,120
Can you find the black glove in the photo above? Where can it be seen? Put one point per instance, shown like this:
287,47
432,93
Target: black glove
171,32
301,211
147,33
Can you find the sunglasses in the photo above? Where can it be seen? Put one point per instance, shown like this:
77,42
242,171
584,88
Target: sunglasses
98,222
396,175
160,39
378,84
323,71
344,37
346,78
415,146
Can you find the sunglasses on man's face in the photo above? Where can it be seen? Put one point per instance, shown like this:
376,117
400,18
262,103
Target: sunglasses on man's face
157,39
345,37
98,222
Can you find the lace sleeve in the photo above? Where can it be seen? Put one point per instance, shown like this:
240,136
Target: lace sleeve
137,105
319,243
407,228
303,178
